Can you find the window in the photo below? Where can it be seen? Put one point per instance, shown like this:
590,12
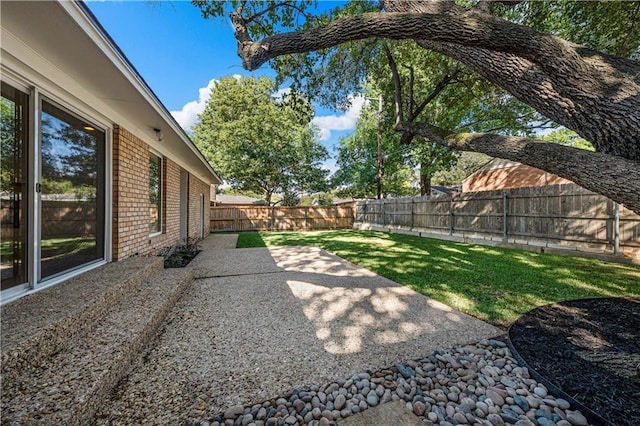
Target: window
155,194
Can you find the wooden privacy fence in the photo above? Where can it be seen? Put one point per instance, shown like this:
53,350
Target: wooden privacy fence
562,215
262,218
60,218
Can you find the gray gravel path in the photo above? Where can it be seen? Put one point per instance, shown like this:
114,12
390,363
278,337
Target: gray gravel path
265,321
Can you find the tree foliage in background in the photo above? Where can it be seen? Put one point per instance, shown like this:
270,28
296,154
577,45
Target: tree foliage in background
582,87
429,87
259,143
357,162
466,164
433,88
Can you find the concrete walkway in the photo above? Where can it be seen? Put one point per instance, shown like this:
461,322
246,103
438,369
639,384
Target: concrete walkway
259,322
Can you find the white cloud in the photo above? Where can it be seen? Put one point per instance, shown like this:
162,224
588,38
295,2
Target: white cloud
346,121
281,93
325,134
188,115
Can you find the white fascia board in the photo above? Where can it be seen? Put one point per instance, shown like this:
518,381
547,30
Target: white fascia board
83,17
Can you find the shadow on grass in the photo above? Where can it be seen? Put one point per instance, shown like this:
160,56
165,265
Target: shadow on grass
494,284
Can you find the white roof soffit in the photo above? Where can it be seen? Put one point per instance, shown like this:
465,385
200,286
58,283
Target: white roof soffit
109,47
76,43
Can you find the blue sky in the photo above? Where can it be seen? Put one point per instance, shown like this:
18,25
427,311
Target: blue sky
180,54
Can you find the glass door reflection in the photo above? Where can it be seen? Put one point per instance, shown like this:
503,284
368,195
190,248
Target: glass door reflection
13,186
72,192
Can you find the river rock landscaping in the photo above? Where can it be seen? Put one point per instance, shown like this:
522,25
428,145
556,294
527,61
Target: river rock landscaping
479,384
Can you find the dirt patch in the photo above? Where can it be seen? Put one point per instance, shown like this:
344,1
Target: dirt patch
589,349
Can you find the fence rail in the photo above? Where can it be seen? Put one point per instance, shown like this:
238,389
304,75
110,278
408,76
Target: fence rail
259,218
563,215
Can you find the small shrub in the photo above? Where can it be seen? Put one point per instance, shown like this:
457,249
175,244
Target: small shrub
182,255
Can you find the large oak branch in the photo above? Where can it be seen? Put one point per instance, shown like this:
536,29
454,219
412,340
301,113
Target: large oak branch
592,93
614,177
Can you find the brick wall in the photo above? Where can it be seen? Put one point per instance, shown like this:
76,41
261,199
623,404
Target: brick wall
130,194
131,200
517,176
196,188
170,207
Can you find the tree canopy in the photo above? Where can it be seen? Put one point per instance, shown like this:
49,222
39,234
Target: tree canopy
357,162
259,142
515,45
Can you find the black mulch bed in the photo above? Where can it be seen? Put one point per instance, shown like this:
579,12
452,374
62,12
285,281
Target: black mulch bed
590,349
181,258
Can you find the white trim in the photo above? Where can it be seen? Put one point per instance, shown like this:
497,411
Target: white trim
15,81
108,194
13,293
35,176
39,77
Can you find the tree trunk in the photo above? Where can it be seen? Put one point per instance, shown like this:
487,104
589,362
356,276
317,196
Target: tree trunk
425,180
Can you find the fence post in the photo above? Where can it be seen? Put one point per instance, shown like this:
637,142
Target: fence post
412,201
504,215
383,210
451,216
365,218
271,222
353,213
306,216
235,219
616,228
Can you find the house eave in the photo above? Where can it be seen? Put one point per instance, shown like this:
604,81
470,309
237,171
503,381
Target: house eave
64,39
88,21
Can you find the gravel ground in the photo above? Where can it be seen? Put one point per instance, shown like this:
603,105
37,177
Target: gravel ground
273,320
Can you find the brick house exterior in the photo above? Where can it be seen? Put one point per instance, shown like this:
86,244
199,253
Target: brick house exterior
502,174
140,185
130,232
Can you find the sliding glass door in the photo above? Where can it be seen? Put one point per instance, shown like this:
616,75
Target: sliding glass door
72,191
52,191
13,186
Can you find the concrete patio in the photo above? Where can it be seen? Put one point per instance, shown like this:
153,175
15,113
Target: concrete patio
260,322
251,325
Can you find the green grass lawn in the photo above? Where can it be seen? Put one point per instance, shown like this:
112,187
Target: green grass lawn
53,247
494,284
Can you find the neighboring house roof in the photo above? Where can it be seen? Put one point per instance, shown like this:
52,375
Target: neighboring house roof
64,39
444,189
339,201
237,199
503,174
